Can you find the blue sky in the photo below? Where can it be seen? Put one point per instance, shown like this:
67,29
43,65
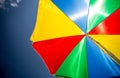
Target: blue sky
17,57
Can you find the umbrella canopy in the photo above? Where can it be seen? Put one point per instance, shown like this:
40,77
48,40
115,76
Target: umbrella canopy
79,38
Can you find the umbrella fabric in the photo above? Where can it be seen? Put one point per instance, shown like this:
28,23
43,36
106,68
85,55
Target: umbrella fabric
75,65
54,35
100,10
100,65
76,10
79,38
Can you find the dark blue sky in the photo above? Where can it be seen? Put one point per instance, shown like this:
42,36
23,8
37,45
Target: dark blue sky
17,57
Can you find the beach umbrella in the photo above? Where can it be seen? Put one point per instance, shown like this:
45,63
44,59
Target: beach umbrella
79,38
